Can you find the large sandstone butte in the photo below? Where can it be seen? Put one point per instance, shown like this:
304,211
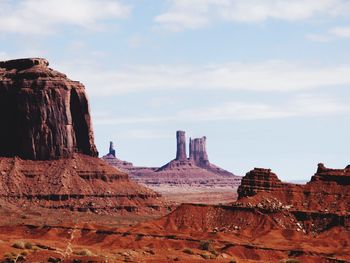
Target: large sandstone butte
44,115
47,150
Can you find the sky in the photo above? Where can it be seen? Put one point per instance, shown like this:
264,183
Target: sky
266,81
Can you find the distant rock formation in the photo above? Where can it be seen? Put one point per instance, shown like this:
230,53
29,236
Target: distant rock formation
259,179
326,188
198,156
195,171
46,115
111,149
111,159
198,152
181,146
47,150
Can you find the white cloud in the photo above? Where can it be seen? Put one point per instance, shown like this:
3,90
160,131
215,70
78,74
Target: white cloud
279,76
333,33
192,14
300,106
319,37
44,16
341,31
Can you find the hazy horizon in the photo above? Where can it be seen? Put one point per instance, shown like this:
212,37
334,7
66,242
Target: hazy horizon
267,82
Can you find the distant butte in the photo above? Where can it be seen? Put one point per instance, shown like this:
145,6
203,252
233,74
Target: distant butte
194,173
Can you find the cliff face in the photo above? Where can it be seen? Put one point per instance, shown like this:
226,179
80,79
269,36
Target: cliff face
181,146
44,114
198,152
47,146
257,180
327,190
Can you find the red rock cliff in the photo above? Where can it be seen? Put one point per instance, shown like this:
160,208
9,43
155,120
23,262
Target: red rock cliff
43,114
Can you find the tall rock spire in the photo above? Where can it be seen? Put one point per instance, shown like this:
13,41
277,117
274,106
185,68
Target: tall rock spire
111,148
198,152
181,146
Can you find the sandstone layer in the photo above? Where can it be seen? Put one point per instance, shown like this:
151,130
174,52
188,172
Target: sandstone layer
47,150
44,114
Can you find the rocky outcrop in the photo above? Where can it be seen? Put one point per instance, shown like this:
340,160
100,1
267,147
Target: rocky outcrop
198,152
181,146
262,188
47,150
259,179
111,159
81,183
46,115
198,156
111,149
340,176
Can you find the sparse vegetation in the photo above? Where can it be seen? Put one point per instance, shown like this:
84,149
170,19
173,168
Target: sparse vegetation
205,245
139,237
84,252
188,251
19,245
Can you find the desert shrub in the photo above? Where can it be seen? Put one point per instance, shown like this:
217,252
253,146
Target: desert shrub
139,237
7,255
24,253
28,245
205,245
205,256
35,248
188,251
84,252
19,245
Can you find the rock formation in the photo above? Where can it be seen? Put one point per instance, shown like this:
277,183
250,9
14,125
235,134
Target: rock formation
111,159
44,115
47,150
259,179
198,152
182,173
324,191
181,146
111,149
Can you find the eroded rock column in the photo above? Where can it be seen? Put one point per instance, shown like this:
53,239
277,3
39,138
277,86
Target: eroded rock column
181,146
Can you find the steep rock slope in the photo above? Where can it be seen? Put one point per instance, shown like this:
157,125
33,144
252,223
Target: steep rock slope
47,149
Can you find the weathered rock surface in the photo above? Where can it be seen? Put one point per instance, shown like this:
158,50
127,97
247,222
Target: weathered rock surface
194,178
44,115
47,150
198,152
198,159
259,179
111,149
81,183
181,146
327,191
